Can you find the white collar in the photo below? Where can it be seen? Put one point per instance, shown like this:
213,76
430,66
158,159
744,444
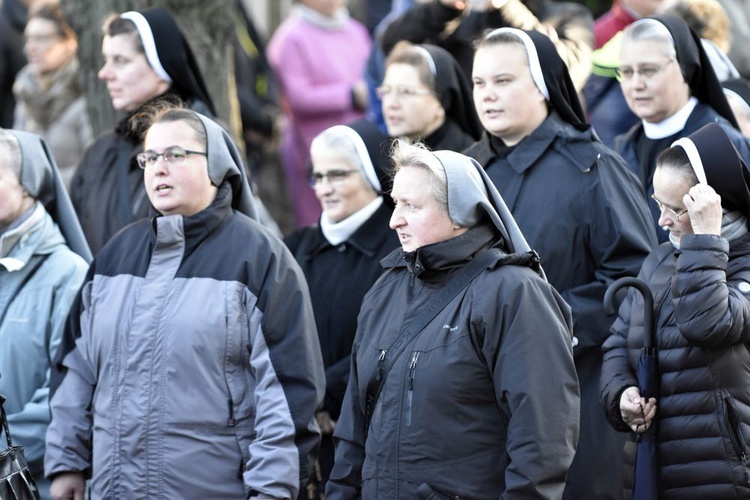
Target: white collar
671,125
338,232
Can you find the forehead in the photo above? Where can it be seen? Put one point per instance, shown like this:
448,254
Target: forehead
635,52
500,58
165,134
124,43
410,181
671,182
402,73
39,26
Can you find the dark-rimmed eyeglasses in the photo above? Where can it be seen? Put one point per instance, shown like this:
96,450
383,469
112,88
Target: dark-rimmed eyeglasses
335,177
663,207
400,91
172,155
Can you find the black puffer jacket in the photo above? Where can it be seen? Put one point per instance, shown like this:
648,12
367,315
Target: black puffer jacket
702,310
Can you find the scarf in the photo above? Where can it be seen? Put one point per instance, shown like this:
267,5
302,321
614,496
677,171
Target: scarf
44,105
338,232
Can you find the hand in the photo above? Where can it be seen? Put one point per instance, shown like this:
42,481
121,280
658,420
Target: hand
704,209
455,4
68,486
635,411
360,95
325,422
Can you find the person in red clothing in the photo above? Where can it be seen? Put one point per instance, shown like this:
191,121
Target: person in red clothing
622,13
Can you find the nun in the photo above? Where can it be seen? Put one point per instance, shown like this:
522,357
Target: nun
341,255
463,383
190,365
700,280
576,201
43,261
737,92
669,83
146,59
426,97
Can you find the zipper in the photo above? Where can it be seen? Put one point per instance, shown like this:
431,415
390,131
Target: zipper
231,422
410,393
381,363
730,414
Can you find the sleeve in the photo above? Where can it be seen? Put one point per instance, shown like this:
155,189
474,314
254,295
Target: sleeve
711,309
73,380
419,24
30,424
346,476
620,234
617,373
287,364
527,346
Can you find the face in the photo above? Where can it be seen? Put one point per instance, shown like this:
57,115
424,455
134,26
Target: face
507,101
410,109
130,80
45,49
669,187
342,189
13,197
177,188
652,82
325,7
418,219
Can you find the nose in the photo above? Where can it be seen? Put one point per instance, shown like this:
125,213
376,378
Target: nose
665,218
323,187
397,219
104,73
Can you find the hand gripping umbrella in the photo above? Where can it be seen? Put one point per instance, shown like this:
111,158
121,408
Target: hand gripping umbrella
645,474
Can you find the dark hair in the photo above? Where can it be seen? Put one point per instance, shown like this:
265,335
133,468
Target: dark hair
115,25
50,10
676,158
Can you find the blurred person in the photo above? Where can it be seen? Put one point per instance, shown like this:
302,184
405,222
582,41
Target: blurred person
12,21
622,14
669,83
190,366
739,34
592,228
43,261
427,97
341,255
49,96
699,281
146,58
737,92
462,350
455,24
318,54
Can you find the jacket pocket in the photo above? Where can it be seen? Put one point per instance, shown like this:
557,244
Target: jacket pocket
733,426
427,492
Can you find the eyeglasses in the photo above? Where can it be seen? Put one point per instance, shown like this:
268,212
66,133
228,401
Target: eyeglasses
41,39
172,155
672,211
335,177
400,91
647,72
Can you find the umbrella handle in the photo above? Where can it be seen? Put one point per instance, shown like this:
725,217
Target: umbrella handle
648,304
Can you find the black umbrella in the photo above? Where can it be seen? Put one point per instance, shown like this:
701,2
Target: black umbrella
645,474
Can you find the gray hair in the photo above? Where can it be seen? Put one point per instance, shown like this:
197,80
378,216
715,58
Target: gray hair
418,155
11,151
653,31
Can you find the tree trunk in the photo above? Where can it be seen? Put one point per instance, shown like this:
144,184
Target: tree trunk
207,25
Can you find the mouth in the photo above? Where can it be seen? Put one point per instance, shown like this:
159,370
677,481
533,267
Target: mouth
492,112
162,189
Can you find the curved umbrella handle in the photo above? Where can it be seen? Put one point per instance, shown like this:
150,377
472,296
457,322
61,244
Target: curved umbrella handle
648,305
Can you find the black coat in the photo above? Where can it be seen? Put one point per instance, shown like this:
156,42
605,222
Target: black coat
702,312
627,146
584,212
12,22
338,277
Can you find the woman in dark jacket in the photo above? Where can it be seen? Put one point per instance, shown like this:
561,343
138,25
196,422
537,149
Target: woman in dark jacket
146,58
700,281
577,203
470,349
427,97
669,83
341,255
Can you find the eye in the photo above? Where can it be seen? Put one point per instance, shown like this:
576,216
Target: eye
625,72
336,175
174,154
649,71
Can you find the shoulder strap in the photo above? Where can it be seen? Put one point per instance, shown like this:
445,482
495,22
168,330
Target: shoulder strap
391,355
4,424
33,264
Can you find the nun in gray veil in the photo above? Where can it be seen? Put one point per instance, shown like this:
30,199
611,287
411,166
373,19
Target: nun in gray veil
461,337
190,365
43,261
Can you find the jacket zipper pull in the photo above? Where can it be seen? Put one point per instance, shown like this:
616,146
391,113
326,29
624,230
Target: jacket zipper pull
410,394
381,363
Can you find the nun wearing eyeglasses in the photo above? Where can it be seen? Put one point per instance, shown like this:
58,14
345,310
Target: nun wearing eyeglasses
669,83
146,59
190,366
341,255
43,261
700,280
462,379
577,203
427,97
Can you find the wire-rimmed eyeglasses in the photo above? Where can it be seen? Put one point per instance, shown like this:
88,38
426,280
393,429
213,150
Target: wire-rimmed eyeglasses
663,207
646,71
335,177
172,155
400,91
